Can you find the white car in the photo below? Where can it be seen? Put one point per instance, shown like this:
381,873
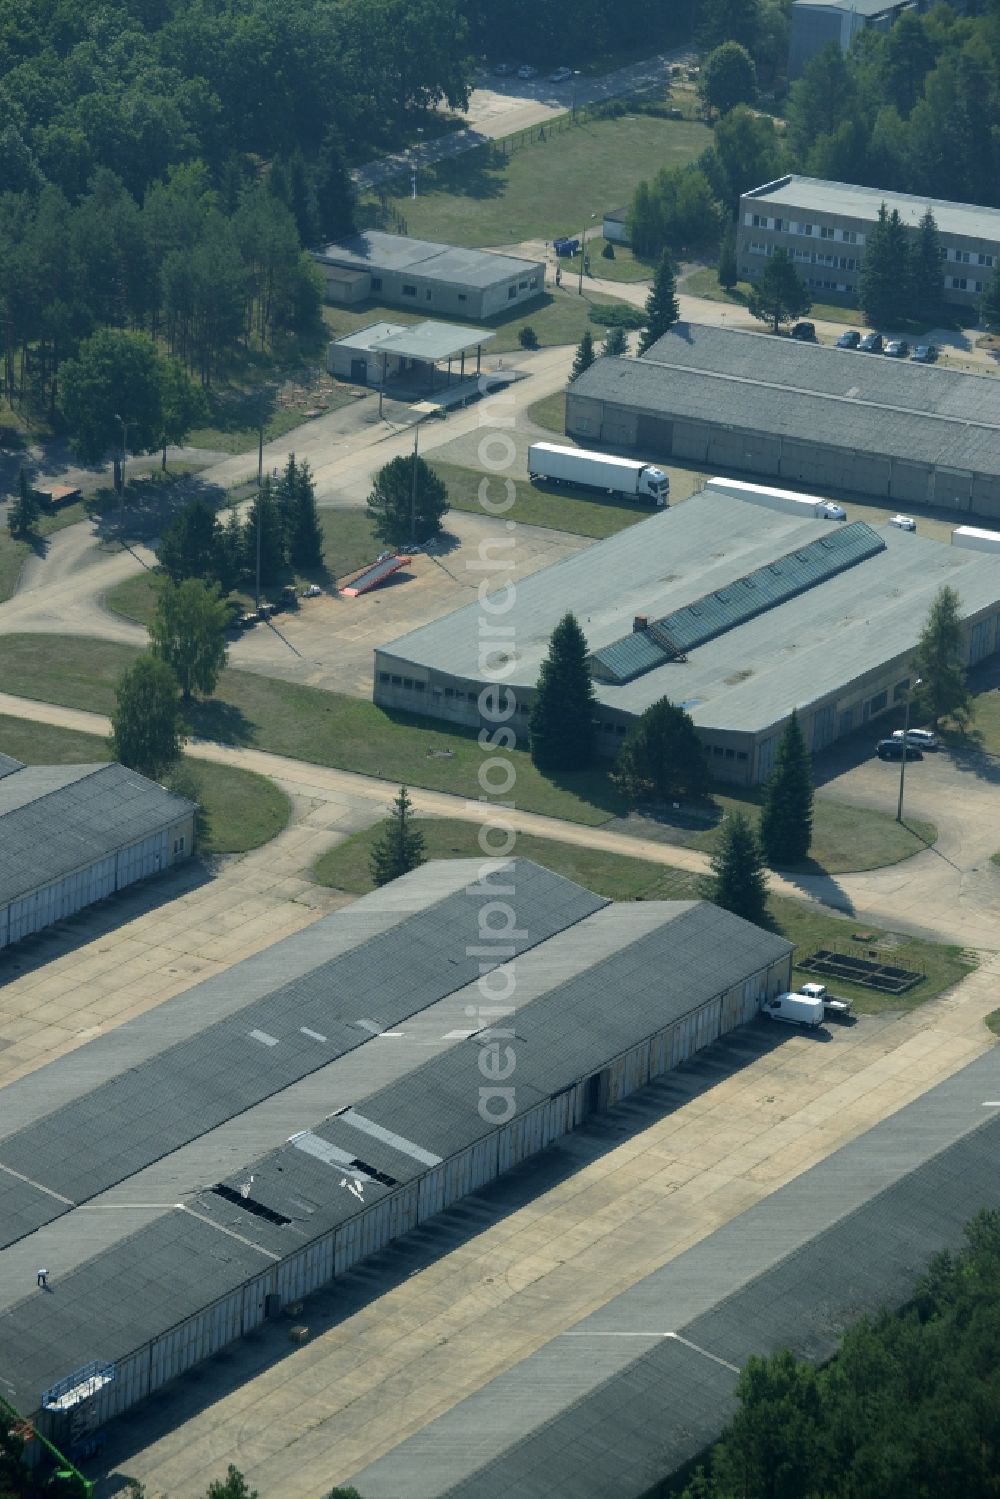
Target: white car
527,71
560,75
312,592
831,511
917,738
904,522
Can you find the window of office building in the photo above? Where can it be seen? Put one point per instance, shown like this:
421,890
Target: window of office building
409,291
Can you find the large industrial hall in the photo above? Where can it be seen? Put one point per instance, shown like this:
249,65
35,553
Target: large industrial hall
830,419
737,612
188,1174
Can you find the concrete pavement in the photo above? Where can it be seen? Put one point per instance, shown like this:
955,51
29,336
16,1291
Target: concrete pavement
927,894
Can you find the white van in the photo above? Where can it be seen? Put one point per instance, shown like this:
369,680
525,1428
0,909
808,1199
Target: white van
794,1009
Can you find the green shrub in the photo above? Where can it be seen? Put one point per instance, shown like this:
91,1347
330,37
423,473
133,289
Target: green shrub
611,315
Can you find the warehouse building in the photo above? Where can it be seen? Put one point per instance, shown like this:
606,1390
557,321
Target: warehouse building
824,418
824,227
647,1382
736,612
427,277
815,23
272,1132
71,835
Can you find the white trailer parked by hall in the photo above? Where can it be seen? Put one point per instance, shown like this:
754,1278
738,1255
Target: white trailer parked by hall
629,477
785,500
975,539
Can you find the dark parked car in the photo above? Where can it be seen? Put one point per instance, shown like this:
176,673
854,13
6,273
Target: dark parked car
924,354
503,69
871,343
849,340
805,331
897,348
566,246
895,749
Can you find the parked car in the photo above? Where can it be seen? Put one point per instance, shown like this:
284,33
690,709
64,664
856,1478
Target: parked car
871,343
895,749
897,348
924,354
560,75
922,738
849,339
527,71
904,522
675,114
245,621
805,331
503,69
566,246
830,511
312,592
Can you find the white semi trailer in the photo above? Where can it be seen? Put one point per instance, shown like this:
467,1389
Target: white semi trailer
624,476
785,500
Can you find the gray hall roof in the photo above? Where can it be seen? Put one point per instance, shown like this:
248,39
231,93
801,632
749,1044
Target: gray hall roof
373,250
132,1270
55,819
750,677
8,764
834,397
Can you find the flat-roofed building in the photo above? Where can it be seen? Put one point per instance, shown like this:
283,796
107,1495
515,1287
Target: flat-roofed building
427,277
383,351
736,612
824,226
815,23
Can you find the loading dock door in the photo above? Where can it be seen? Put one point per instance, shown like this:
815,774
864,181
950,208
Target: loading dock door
597,1092
359,371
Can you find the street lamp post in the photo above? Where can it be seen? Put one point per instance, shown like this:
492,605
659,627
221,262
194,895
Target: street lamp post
583,257
576,74
413,492
121,472
902,763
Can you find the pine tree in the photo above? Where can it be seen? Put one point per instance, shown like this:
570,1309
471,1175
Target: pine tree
926,271
662,756
561,725
615,343
885,273
940,661
398,517
334,189
264,512
662,306
305,544
728,269
585,355
24,509
989,307
779,293
786,815
740,883
234,1486
400,846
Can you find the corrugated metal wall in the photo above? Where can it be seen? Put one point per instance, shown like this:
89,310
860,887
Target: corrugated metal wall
379,1224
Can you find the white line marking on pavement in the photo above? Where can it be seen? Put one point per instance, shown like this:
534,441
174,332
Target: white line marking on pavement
652,1336
263,1038
313,1035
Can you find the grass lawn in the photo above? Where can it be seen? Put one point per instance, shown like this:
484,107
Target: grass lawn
993,1022
845,838
558,317
542,504
14,554
810,929
613,875
305,723
550,412
348,543
705,283
546,189
240,809
620,878
626,266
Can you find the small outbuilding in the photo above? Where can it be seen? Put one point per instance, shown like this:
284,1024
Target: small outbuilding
615,226
383,352
71,835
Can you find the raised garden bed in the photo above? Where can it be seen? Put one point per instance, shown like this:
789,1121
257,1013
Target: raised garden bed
870,971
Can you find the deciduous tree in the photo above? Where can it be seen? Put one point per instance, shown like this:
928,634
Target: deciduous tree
188,633
114,386
399,516
146,722
779,293
662,756
786,814
400,845
183,405
728,77
561,725
739,883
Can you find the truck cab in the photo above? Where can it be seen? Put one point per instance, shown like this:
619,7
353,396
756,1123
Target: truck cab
656,484
794,1009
